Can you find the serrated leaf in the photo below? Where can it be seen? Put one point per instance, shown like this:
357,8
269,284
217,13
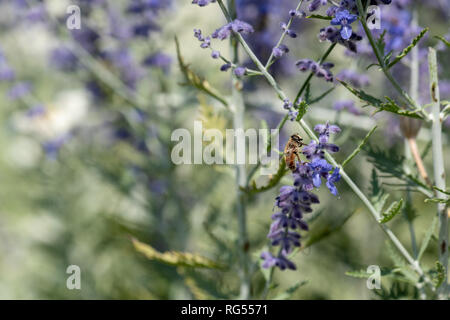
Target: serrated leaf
392,211
405,51
392,107
389,162
175,258
427,238
371,100
401,264
196,81
286,295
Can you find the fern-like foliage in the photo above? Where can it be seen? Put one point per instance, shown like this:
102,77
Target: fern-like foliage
391,165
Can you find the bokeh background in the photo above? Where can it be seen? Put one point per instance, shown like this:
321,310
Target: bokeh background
86,118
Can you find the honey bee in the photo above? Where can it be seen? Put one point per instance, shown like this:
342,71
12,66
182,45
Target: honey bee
291,151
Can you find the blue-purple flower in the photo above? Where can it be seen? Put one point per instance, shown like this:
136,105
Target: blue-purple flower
344,19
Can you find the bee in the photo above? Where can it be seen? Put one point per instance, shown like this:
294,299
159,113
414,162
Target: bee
291,151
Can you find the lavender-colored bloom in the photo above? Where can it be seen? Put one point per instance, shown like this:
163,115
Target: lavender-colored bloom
19,90
215,54
6,73
279,51
36,111
237,26
87,38
202,3
289,32
122,59
52,147
239,72
315,4
281,261
225,67
297,13
62,58
159,60
344,19
321,71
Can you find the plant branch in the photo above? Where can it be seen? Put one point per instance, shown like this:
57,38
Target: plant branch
270,60
438,165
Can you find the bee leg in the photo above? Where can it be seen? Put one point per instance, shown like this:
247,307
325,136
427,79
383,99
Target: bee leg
298,157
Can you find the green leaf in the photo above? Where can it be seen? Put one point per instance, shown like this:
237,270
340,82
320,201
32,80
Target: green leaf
388,105
447,192
372,65
408,48
438,200
323,95
195,80
286,295
439,278
380,43
359,148
427,238
445,41
389,162
392,107
392,211
272,182
308,93
302,109
175,258
401,265
371,100
318,16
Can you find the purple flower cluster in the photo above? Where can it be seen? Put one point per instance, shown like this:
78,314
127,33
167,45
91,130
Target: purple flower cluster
295,201
315,4
320,70
292,109
236,26
222,33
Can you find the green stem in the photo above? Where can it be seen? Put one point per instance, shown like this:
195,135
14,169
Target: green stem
438,165
238,123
